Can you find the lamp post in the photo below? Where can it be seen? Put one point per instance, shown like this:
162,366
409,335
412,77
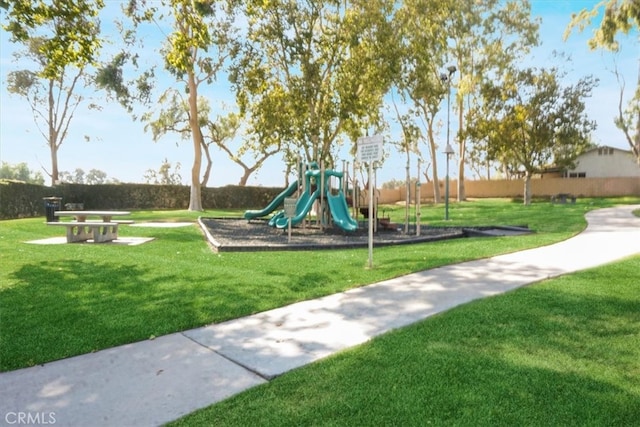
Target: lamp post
448,151
446,78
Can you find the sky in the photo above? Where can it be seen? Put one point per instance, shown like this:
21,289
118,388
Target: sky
122,149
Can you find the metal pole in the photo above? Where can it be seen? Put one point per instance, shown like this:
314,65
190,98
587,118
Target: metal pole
319,215
446,193
355,193
407,205
444,77
446,185
371,214
418,198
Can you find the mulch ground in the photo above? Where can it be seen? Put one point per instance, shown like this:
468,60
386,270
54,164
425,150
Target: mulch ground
238,234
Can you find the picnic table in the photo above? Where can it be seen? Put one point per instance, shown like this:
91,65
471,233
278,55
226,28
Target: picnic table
563,198
81,228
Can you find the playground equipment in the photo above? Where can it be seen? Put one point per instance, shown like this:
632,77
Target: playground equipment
316,187
273,205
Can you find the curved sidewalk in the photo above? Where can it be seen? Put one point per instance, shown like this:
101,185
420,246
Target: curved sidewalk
153,382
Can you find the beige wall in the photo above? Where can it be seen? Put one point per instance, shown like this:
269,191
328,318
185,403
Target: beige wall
546,187
607,162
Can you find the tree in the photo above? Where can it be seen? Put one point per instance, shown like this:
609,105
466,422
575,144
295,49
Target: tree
485,38
423,47
72,29
217,132
20,172
224,129
528,120
628,119
313,72
62,39
477,39
194,53
96,176
78,176
164,175
620,16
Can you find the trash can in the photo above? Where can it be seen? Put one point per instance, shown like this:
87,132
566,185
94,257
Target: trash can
52,204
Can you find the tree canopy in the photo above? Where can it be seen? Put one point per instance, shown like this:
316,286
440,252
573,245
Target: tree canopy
529,121
20,172
69,29
618,17
61,38
309,77
314,72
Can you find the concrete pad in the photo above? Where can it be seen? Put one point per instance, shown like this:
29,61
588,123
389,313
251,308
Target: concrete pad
50,241
143,384
286,338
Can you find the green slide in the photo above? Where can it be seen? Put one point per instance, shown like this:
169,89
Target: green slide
340,212
303,206
277,201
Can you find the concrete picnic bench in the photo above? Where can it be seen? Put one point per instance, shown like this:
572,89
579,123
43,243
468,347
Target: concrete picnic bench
563,198
81,229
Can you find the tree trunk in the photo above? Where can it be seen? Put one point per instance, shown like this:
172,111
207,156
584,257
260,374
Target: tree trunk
245,177
195,199
53,137
637,136
207,169
462,196
527,189
54,167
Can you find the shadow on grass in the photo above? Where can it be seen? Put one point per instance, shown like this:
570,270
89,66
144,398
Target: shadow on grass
71,307
540,355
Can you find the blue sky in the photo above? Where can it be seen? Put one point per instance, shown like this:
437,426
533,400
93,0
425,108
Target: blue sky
121,148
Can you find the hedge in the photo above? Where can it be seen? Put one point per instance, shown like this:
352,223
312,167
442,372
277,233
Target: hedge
20,200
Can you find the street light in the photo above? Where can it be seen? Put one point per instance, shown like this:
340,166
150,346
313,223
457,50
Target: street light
446,78
448,151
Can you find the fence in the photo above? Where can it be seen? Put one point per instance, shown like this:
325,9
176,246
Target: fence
545,187
19,200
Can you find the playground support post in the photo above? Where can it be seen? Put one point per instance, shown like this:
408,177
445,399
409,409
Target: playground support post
304,188
407,205
354,197
320,213
370,214
418,197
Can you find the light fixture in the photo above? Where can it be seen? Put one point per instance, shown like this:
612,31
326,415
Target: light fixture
448,149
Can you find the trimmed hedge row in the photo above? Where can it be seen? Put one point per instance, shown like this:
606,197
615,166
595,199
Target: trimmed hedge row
20,200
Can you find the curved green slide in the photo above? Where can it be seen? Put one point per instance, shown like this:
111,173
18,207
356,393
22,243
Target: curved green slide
277,201
340,212
303,206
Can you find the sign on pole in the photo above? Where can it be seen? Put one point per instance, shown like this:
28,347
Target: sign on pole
290,212
369,151
369,148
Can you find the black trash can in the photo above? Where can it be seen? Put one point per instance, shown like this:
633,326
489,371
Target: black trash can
52,204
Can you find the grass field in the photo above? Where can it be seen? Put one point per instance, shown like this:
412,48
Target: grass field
63,300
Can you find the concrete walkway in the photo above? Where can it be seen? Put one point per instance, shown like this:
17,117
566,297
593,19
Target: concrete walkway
153,382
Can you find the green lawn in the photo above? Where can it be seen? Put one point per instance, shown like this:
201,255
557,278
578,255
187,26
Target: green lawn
58,301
